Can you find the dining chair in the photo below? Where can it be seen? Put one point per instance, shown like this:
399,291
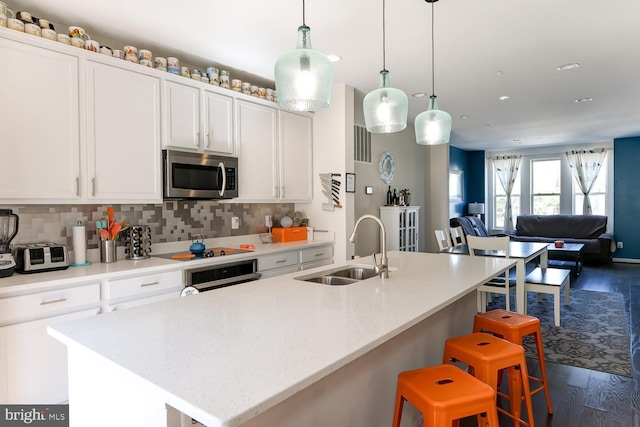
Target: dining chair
499,285
443,238
457,236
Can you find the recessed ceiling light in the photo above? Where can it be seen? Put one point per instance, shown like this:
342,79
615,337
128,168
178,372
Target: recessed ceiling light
418,94
334,58
464,116
570,66
489,125
504,97
516,140
584,100
499,73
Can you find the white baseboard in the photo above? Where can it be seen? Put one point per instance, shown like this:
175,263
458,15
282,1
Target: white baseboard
627,260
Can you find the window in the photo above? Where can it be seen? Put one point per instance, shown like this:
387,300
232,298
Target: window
545,186
597,195
501,200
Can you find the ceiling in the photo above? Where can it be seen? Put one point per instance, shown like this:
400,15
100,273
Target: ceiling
474,41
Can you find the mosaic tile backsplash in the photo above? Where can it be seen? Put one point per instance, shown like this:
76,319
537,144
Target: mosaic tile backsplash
171,221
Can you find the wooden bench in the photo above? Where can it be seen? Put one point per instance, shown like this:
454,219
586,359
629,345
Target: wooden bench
549,281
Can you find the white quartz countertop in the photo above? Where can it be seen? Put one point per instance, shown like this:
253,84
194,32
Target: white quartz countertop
224,356
26,283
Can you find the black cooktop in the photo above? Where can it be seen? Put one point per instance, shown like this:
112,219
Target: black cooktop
208,253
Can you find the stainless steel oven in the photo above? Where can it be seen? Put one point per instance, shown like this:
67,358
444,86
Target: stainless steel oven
208,278
199,176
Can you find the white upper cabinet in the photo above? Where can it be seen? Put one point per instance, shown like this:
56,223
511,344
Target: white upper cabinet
257,145
274,154
197,120
296,149
181,116
218,123
39,123
123,135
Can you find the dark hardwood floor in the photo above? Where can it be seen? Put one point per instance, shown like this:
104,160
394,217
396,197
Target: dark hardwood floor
584,398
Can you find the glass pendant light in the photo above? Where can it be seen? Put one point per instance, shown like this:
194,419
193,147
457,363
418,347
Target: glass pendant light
303,76
433,126
386,108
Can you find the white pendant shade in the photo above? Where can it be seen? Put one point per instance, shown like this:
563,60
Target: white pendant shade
303,76
433,126
386,108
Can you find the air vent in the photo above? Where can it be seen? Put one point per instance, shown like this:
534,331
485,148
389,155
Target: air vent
361,144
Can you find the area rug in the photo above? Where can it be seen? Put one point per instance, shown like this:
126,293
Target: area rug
593,332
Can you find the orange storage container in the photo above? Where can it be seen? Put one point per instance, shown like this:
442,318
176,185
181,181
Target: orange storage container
290,234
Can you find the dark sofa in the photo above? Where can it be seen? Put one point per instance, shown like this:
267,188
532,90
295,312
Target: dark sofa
591,230
471,225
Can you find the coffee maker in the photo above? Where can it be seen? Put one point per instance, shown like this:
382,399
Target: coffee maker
8,230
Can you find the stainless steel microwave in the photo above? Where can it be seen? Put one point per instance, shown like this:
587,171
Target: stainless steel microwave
199,176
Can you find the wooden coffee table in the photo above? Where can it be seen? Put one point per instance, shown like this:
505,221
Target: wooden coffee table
569,252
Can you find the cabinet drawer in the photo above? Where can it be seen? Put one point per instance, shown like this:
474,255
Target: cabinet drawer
316,254
140,285
278,260
42,304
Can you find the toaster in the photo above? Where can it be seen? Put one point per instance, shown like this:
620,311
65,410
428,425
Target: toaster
38,257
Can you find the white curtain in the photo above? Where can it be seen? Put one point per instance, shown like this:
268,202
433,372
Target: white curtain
507,168
585,166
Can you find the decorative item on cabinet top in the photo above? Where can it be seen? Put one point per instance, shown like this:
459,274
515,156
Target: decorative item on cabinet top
331,189
143,57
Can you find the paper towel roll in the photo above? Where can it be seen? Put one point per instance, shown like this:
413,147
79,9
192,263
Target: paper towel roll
79,244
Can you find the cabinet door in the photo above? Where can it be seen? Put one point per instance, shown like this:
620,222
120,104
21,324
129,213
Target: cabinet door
34,369
218,123
39,123
296,149
257,151
123,135
181,116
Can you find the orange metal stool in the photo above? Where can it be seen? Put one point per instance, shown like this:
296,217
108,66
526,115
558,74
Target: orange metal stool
512,327
487,355
444,394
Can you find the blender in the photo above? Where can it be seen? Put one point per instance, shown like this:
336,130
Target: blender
8,230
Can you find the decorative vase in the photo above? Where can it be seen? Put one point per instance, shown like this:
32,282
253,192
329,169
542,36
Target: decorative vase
108,251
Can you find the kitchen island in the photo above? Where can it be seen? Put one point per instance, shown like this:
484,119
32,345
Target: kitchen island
275,352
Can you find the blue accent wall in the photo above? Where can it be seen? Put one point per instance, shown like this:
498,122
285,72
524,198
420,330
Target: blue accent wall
626,196
472,164
458,160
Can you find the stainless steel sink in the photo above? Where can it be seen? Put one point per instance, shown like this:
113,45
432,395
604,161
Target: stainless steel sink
341,276
357,273
331,280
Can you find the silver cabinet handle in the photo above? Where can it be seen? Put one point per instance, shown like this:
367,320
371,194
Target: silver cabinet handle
320,254
78,186
280,261
282,195
150,284
53,301
93,186
207,140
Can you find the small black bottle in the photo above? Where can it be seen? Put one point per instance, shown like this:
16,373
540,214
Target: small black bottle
395,197
389,197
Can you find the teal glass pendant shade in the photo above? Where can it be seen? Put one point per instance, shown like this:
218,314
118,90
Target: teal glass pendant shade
303,76
386,108
433,126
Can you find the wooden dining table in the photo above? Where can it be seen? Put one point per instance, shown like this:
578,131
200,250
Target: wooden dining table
523,252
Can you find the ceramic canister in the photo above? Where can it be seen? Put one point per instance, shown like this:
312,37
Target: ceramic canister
131,54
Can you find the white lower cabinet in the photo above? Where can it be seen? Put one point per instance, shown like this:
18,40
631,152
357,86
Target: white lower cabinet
316,257
295,260
278,264
402,226
120,294
33,365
